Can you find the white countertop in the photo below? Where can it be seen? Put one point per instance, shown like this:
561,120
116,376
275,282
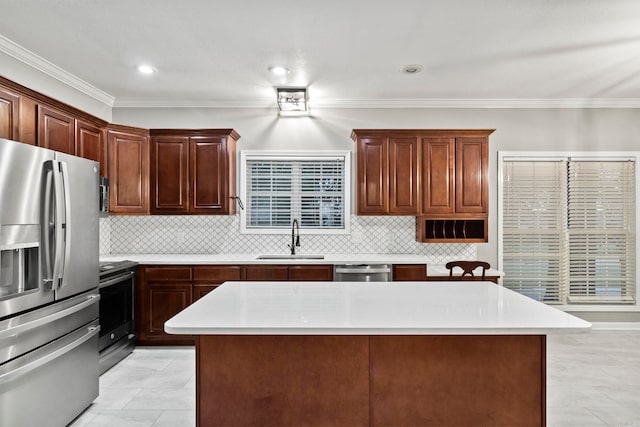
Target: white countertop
195,259
221,259
359,308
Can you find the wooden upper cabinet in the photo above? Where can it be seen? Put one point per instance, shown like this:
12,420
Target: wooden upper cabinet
372,176
56,130
89,143
387,174
472,180
9,114
403,176
209,176
438,157
128,166
193,171
169,174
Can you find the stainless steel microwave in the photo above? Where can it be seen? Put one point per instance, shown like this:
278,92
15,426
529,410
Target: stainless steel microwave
104,197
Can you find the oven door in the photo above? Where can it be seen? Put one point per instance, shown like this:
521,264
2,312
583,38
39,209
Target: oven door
116,308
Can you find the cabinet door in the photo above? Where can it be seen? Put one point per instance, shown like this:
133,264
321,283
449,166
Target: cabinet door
311,272
89,143
472,179
373,176
438,175
128,173
56,130
403,176
9,114
164,301
169,174
209,175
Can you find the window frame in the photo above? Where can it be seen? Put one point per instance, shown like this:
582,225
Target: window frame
295,155
575,156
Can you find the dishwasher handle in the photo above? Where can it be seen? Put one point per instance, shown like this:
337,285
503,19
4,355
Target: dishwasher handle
362,270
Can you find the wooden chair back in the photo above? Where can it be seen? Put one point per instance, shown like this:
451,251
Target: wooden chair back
467,268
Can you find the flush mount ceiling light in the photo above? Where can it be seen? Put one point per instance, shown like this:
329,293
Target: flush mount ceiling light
411,69
146,69
278,70
292,98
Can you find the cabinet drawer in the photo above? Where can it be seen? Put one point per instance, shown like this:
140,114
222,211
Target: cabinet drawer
163,274
410,272
267,272
217,273
311,272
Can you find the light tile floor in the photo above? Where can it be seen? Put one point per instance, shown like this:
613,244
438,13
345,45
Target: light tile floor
592,380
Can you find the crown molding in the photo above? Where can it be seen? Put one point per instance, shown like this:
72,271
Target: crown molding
389,103
479,103
193,103
34,61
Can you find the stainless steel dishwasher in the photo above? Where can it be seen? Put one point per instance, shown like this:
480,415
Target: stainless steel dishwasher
362,273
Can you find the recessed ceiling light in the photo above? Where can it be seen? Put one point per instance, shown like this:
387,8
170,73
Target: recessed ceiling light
146,69
279,71
411,69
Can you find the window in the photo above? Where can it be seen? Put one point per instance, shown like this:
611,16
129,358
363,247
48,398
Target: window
310,187
568,227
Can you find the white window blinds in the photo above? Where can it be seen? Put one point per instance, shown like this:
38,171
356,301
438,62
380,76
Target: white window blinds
534,213
281,190
569,230
601,227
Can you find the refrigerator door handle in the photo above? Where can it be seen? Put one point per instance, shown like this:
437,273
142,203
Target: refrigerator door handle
59,224
64,172
91,299
47,216
66,348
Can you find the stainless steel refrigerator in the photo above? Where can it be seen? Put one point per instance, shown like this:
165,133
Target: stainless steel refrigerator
48,285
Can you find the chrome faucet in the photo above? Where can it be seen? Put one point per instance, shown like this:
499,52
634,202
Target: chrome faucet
295,236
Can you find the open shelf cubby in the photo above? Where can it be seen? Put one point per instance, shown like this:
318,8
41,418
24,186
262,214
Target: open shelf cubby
451,229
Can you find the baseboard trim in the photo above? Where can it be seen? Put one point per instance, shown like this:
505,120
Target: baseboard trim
615,326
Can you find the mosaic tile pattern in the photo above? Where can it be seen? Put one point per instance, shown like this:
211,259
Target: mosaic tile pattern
105,236
221,234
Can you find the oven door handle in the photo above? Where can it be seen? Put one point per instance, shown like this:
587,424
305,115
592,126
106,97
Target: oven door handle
115,280
91,299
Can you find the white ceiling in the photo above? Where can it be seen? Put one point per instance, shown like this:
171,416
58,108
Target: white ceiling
348,52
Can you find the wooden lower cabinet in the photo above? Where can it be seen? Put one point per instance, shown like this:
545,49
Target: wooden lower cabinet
208,277
267,272
163,291
164,301
376,380
409,272
311,272
201,289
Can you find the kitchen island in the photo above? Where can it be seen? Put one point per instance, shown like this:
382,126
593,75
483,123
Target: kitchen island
370,354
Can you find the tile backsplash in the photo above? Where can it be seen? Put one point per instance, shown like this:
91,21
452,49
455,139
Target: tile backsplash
207,234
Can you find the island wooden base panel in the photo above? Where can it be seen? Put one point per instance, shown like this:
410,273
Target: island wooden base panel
377,380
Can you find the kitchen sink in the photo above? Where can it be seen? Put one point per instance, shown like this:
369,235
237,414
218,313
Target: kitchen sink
290,257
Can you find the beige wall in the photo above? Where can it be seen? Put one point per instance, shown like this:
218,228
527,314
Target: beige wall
516,130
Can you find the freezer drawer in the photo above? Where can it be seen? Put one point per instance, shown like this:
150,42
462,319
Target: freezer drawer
53,384
28,331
